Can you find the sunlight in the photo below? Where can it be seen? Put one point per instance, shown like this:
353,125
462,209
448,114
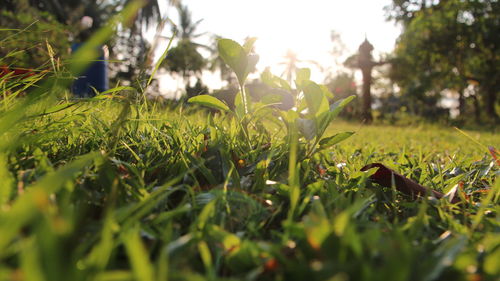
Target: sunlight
301,27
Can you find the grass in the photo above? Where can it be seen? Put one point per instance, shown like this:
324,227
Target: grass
112,189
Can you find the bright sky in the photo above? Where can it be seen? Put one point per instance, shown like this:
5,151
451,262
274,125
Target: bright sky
302,26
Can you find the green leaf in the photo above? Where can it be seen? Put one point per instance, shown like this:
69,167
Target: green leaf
303,77
336,107
274,81
326,92
248,45
269,79
323,116
252,61
235,56
209,101
315,99
307,127
333,140
272,99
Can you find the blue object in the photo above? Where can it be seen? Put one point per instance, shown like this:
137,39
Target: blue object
96,76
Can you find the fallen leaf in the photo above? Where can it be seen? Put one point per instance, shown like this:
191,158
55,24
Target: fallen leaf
384,176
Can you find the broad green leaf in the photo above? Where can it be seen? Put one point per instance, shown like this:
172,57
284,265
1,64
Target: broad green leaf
209,101
326,92
303,77
336,107
252,61
235,56
269,79
307,127
272,99
248,45
239,58
274,81
323,116
330,141
314,98
284,84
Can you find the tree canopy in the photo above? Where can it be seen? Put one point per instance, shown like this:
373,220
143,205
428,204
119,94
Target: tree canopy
448,45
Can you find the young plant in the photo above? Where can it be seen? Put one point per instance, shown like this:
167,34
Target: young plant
242,62
312,113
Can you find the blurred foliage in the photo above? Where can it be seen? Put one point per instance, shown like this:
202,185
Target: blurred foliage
343,85
24,37
128,43
197,89
184,59
449,45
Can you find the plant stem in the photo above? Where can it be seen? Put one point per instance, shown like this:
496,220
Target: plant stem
244,97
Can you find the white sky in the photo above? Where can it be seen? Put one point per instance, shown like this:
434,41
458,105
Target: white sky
302,26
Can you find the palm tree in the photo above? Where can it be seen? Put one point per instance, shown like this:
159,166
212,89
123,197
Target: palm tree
291,64
185,57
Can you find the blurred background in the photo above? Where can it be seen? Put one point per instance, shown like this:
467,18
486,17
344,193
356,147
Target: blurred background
407,60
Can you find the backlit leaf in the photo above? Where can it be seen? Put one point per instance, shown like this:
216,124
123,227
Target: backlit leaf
209,101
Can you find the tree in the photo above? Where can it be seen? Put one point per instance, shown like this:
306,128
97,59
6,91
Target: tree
130,41
184,58
448,45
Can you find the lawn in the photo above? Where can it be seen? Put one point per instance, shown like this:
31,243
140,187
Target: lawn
120,189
